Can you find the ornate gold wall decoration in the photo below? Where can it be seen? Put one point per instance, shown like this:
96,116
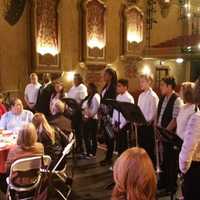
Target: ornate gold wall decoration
46,34
94,32
13,10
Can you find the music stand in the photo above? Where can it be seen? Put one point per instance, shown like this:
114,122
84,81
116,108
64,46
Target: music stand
131,113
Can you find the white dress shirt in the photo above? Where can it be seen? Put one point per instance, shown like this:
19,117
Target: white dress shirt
190,150
78,92
184,115
31,93
126,97
13,122
93,108
148,103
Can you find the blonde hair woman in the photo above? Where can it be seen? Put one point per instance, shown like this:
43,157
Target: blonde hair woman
134,176
27,144
48,136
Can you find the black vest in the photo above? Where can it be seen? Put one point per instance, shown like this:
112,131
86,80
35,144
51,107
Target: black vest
168,113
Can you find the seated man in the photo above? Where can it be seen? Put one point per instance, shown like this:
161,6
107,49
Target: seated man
14,119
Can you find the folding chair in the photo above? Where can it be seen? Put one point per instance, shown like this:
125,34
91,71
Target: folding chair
21,169
62,172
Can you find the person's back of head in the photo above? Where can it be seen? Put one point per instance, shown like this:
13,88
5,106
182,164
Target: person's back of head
40,122
59,107
134,176
27,136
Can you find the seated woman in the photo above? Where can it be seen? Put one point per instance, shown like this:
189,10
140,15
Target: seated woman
26,146
2,106
134,176
14,119
59,120
52,140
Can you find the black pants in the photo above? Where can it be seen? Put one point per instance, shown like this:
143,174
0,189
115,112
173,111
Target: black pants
3,183
146,140
170,167
89,133
77,126
121,141
191,190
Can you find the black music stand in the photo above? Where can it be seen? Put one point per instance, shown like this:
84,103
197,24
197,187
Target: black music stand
131,113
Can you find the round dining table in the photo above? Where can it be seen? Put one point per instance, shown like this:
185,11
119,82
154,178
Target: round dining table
7,141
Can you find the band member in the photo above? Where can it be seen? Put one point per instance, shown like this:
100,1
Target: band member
186,111
31,91
168,109
109,92
90,108
189,158
119,122
148,103
78,92
44,95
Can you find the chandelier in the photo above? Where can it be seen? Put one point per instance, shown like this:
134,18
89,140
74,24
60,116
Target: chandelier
135,26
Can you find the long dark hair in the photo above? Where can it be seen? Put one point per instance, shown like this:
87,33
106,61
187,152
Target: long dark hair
93,89
113,75
62,92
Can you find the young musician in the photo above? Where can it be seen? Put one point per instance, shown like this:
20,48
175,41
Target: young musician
168,109
189,158
118,120
148,103
90,108
186,111
108,92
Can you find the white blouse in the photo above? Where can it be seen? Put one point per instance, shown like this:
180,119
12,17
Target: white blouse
78,92
190,150
148,103
184,115
126,97
92,110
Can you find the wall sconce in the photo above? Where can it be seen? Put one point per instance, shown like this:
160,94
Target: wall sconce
47,40
46,35
135,27
132,31
146,70
93,39
69,76
164,5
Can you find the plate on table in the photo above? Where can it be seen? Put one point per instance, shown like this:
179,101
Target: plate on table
2,145
7,133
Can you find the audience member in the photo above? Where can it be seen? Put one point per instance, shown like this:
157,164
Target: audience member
134,176
14,119
26,146
2,106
